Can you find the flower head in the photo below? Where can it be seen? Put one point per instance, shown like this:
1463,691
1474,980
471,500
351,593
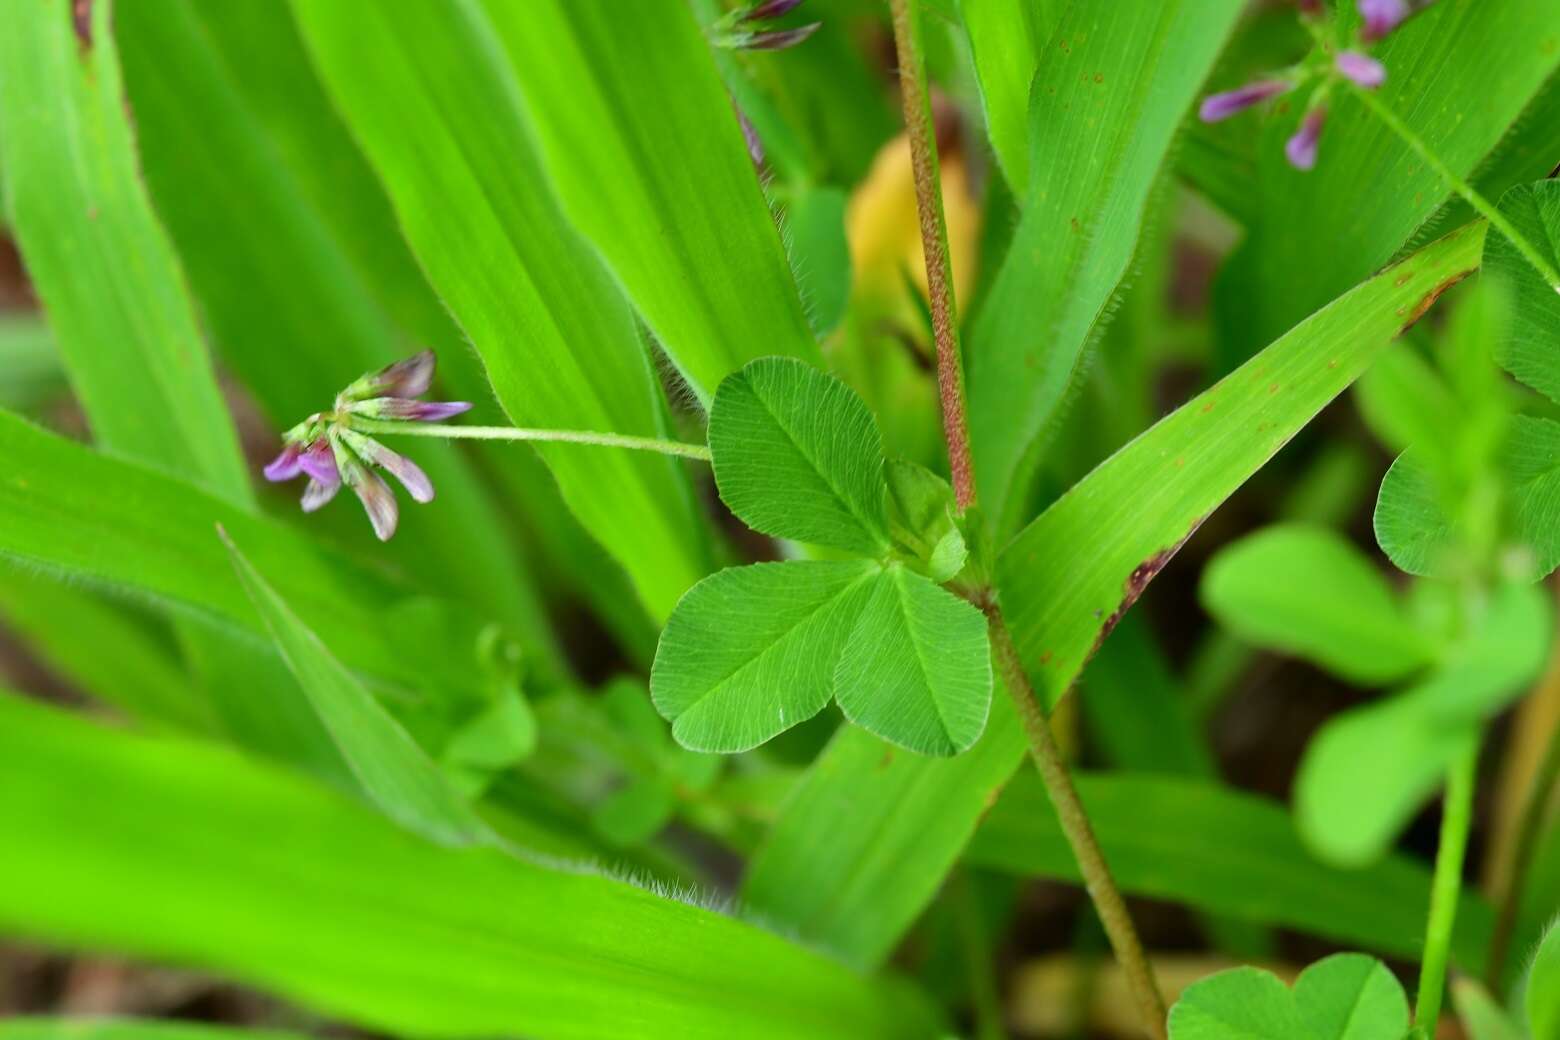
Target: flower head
743,29
331,451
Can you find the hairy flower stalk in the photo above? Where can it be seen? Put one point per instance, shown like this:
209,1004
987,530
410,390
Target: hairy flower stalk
327,448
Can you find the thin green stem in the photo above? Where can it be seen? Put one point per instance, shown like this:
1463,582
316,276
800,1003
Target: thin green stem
1534,812
1097,878
518,433
1456,817
1483,206
934,248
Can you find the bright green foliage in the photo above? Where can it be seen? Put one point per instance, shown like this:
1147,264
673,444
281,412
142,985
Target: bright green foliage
1459,76
648,159
30,362
1405,400
921,511
1108,94
1347,996
867,840
387,763
208,859
1407,742
798,455
1529,348
1481,1016
1007,38
1248,862
1308,591
125,327
916,669
752,651
1542,989
443,128
820,255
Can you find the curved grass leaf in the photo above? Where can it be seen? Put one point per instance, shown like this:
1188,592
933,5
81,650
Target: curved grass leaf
387,763
78,208
1110,91
1530,350
186,853
440,121
798,455
1347,996
751,651
644,148
1309,591
1063,582
1458,76
916,669
1248,861
1006,39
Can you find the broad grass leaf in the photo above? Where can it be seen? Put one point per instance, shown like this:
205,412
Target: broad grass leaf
644,148
1415,531
916,669
1368,770
178,851
1064,580
820,255
1530,350
798,455
1006,39
443,128
32,365
1347,996
1541,998
1248,863
78,208
752,651
1308,591
1110,90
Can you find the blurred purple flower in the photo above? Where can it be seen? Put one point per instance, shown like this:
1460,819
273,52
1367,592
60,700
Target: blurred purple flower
327,448
1382,16
768,9
1362,69
1221,106
1301,149
778,39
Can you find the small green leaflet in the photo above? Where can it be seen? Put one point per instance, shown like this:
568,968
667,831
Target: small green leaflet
1308,591
1347,996
388,764
921,518
798,455
1530,348
917,668
750,651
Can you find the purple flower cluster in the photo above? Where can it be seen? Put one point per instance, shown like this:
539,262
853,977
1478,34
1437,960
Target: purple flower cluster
743,29
326,449
1378,18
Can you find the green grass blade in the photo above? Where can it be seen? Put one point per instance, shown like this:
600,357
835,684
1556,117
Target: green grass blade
440,121
187,853
294,309
644,147
1006,38
100,262
1064,581
1248,861
1105,104
31,364
1311,238
389,766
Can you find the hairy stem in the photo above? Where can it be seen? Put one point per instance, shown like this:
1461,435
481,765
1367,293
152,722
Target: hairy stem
1456,816
517,433
1534,812
1483,206
934,247
1102,889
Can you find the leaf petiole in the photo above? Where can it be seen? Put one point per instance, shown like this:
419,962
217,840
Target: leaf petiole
681,449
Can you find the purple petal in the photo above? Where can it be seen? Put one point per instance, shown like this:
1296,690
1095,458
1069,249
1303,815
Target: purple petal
401,408
316,494
778,39
1221,106
286,465
406,471
1302,147
378,502
410,377
1382,16
319,462
1361,69
769,9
